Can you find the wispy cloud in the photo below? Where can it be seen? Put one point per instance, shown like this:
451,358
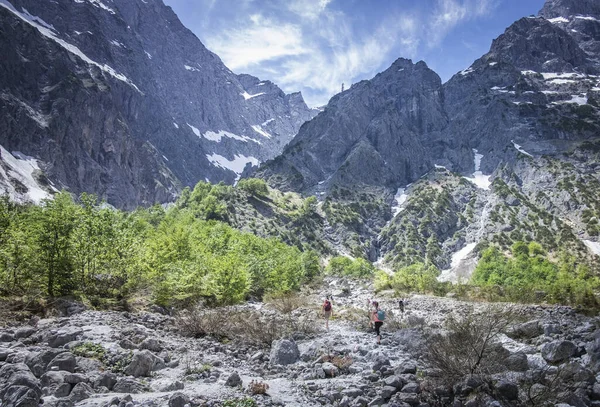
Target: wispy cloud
315,45
449,13
261,40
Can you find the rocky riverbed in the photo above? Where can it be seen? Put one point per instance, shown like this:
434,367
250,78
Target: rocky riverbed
99,358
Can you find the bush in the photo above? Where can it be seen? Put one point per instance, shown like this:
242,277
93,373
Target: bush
256,387
254,186
470,345
343,266
249,326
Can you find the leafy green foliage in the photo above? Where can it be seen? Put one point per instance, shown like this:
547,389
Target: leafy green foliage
254,186
343,266
181,255
529,275
418,277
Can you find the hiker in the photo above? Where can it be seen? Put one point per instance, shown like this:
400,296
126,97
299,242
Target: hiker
327,311
401,304
377,317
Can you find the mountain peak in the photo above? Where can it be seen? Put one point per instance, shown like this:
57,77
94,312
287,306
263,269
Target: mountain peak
566,8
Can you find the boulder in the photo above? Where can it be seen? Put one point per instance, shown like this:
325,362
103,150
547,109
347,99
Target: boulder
18,386
284,352
234,380
151,344
105,379
330,369
517,362
379,361
38,362
6,337
527,330
558,351
63,361
128,385
143,363
80,392
25,332
60,339
178,400
507,390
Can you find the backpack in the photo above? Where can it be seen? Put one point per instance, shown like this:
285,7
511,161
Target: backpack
381,315
327,306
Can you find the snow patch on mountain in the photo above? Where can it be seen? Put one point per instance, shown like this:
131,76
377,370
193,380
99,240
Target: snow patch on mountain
458,257
236,165
219,134
593,246
42,27
520,149
17,177
99,4
558,20
399,199
478,178
257,128
247,96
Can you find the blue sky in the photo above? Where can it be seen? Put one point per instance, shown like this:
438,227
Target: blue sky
314,45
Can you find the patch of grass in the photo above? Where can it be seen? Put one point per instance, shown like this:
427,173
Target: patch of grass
89,350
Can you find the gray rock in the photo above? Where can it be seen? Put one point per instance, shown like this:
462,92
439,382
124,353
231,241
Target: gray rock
62,338
80,392
178,400
74,378
376,402
517,362
330,369
63,361
558,351
4,352
352,392
507,390
18,386
284,352
63,390
128,385
379,361
173,386
127,344
25,332
6,337
151,344
388,391
234,380
527,330
143,363
412,387
394,381
105,379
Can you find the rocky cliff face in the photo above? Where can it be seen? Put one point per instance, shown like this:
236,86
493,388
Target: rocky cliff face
508,146
118,98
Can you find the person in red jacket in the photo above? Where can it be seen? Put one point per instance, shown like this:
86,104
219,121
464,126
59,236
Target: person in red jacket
377,322
327,308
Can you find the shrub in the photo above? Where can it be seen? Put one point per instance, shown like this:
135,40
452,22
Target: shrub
240,402
256,387
470,345
249,326
254,186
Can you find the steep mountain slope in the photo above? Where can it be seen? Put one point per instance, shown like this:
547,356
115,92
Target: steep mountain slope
117,97
506,150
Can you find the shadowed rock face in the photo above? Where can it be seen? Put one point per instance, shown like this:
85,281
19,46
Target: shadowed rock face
391,130
120,99
375,133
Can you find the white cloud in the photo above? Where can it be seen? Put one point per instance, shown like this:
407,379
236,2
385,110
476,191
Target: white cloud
449,13
261,40
309,9
314,46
